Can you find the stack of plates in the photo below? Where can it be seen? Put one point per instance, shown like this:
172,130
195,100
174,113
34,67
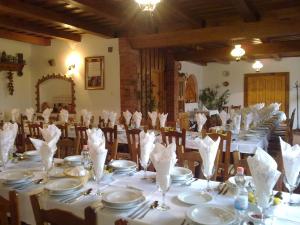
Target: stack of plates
74,160
32,155
16,177
122,199
123,166
210,215
64,186
194,197
181,175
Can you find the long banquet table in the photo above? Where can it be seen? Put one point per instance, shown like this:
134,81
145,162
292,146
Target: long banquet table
283,214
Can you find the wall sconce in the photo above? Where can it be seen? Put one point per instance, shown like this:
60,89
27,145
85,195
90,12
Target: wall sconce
72,63
71,70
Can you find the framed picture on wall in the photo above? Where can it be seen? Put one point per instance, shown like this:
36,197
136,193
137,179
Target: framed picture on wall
94,73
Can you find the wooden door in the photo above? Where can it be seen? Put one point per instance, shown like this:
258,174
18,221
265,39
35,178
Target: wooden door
268,88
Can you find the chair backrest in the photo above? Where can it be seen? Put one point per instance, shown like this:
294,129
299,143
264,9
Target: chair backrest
238,161
111,137
34,130
53,118
64,130
133,139
184,121
60,217
9,206
101,123
81,137
66,147
224,157
191,160
82,122
121,222
171,136
292,118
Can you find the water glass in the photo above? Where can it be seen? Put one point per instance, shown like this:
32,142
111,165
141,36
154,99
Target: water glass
291,188
163,182
208,175
144,166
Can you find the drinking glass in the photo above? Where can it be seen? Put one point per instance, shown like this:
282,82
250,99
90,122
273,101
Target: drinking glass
208,175
98,172
163,182
48,163
291,188
144,166
263,203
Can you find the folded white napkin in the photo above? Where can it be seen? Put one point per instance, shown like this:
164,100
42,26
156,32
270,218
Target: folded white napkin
248,119
153,117
127,115
46,114
208,150
200,119
236,122
87,116
13,127
137,119
264,172
112,118
15,114
7,140
105,116
29,114
146,146
64,115
162,119
291,161
163,159
96,143
224,117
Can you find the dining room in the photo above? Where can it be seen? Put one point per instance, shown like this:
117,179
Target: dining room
140,112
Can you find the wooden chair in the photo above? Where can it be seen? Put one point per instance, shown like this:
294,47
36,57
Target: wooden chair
111,137
39,118
178,137
238,161
102,123
121,222
60,217
10,207
91,122
34,130
184,121
64,130
133,140
66,147
81,137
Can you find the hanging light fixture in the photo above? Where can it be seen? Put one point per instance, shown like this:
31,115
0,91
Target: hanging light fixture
237,52
147,5
257,65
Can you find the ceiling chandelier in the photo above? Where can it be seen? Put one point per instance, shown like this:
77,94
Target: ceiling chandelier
147,5
237,52
257,65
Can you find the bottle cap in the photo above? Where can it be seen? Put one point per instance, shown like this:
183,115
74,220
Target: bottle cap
240,170
85,147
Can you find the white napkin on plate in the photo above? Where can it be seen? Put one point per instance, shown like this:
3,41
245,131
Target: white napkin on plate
112,118
127,115
96,143
200,119
153,118
208,150
146,146
137,119
163,159
87,116
291,161
236,121
15,114
7,139
105,116
46,114
248,119
162,119
224,117
64,115
29,112
264,172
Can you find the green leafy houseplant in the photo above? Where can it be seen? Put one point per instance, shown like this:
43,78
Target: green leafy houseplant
211,98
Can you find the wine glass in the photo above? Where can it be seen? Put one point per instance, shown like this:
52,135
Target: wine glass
291,187
48,163
163,182
208,175
263,202
98,172
145,165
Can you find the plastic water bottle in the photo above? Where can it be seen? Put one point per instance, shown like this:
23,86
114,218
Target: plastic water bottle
241,199
239,178
85,157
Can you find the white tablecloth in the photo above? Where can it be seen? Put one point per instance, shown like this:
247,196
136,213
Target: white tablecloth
284,213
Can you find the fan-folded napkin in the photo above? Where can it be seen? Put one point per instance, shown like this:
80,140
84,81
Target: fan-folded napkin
236,121
127,115
29,114
291,161
7,139
112,116
64,115
153,118
224,117
137,118
46,114
264,172
105,116
146,146
15,114
248,119
200,119
162,119
86,116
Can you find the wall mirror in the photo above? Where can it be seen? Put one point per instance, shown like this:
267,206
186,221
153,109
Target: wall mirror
57,92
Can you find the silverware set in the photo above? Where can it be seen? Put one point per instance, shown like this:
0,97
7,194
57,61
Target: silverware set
223,188
71,199
141,211
26,185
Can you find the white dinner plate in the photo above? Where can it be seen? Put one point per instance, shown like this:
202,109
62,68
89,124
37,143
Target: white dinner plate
73,160
119,197
125,206
189,177
63,186
15,176
123,165
209,215
194,197
180,173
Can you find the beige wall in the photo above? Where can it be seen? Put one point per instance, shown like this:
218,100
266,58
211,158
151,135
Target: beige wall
22,85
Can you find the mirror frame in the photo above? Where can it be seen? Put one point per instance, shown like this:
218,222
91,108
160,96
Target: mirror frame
51,77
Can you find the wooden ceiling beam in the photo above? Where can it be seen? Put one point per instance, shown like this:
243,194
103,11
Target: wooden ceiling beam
246,10
32,28
262,29
52,17
252,51
25,38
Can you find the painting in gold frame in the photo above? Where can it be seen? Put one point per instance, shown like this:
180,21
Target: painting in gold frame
94,73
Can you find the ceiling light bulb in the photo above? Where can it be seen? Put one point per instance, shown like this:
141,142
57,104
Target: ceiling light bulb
237,52
257,65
